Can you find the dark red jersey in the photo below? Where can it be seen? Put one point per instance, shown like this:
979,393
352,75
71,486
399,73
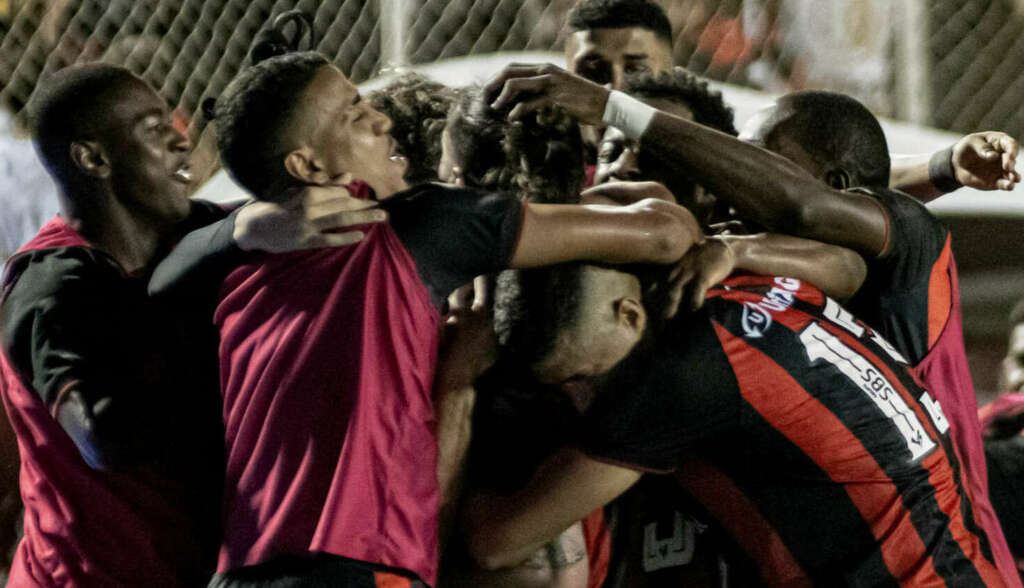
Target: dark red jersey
912,297
804,433
327,366
73,320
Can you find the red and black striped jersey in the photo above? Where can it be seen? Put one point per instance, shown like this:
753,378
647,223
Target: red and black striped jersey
912,297
801,431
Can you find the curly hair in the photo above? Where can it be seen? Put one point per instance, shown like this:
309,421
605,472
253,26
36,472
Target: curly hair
682,87
418,108
254,111
618,14
540,156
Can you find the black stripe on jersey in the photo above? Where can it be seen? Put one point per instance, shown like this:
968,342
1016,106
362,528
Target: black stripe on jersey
850,405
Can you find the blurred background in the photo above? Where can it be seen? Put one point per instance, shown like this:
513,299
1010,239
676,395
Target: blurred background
935,69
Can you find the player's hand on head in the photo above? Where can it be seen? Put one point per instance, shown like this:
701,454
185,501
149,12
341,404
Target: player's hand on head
986,161
523,88
701,268
316,220
692,232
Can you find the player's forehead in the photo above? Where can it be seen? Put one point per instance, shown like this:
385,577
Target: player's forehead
618,43
131,102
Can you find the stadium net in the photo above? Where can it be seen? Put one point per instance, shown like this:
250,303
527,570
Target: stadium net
948,63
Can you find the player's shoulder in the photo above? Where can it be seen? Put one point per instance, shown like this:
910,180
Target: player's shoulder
52,272
436,194
899,204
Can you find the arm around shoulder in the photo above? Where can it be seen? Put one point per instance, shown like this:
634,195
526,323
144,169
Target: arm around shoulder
649,231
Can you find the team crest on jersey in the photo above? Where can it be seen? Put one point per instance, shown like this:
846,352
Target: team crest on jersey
757,316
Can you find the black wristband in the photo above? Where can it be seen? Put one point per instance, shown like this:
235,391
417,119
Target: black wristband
941,171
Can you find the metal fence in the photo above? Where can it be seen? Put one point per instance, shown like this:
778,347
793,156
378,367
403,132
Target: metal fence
954,64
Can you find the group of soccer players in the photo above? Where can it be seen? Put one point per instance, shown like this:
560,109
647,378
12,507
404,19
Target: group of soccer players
567,329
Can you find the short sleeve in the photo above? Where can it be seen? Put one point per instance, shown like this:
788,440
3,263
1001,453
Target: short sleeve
455,234
664,400
916,239
895,296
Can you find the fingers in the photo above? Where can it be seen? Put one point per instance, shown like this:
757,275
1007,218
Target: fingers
320,240
518,86
698,293
524,108
1009,147
347,218
481,293
511,71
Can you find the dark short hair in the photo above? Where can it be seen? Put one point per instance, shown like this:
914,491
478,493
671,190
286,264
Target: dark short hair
532,306
255,109
683,87
540,155
418,108
620,14
839,132
71,105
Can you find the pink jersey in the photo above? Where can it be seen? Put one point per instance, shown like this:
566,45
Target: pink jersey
945,372
327,365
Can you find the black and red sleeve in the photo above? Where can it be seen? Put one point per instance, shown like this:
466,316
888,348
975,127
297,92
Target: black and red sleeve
895,296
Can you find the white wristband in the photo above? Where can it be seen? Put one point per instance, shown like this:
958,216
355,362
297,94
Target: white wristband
627,114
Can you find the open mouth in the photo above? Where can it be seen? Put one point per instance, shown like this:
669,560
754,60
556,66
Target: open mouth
183,174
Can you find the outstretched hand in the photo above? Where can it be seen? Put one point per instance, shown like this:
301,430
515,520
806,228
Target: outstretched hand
524,88
311,222
986,161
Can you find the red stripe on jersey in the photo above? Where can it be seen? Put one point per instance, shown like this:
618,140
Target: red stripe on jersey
734,509
598,538
939,294
819,433
940,471
387,580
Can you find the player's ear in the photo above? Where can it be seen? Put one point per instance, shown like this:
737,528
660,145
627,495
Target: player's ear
630,314
838,179
89,157
302,165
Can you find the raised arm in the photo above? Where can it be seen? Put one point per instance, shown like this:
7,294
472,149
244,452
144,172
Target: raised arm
983,161
763,186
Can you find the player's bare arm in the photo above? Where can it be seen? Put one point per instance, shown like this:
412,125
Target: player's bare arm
983,161
504,531
837,271
652,231
763,186
560,563
468,348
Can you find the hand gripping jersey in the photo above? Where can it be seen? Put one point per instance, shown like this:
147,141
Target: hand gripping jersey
804,434
72,318
912,297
